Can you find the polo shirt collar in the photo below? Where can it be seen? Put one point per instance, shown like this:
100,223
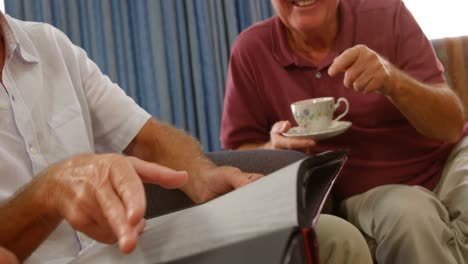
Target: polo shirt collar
16,40
286,57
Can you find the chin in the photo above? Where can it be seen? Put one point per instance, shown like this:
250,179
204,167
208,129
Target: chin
306,25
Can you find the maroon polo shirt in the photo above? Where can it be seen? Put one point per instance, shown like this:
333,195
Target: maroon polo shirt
265,77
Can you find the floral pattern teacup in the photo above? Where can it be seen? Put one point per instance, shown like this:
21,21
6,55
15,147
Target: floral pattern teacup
313,115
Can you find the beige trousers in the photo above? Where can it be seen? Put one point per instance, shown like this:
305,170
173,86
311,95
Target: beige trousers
340,242
413,225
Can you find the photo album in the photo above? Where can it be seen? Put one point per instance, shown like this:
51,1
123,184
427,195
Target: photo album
268,221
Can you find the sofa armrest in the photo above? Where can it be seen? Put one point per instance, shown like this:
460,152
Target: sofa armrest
453,54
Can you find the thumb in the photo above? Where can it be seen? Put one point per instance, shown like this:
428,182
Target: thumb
154,173
281,127
286,126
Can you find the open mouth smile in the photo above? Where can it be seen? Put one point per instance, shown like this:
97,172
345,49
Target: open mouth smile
303,3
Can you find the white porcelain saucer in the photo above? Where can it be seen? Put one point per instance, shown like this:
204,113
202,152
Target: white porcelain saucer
335,129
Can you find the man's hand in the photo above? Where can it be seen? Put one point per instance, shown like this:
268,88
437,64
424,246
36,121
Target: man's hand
278,141
365,71
164,144
423,104
215,181
103,195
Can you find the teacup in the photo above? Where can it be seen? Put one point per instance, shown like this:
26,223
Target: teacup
314,115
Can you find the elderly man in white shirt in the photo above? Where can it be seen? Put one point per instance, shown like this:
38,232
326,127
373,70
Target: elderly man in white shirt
56,111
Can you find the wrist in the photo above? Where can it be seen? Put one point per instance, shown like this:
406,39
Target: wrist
195,188
395,83
267,145
44,193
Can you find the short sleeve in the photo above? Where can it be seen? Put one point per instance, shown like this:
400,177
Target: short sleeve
243,119
115,117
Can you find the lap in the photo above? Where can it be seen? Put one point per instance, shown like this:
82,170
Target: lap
340,242
388,202
398,214
451,194
452,189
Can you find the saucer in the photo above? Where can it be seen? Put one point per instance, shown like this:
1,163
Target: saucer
335,129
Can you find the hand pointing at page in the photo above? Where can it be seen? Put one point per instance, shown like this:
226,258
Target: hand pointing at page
100,195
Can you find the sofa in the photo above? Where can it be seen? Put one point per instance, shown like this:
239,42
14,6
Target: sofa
453,53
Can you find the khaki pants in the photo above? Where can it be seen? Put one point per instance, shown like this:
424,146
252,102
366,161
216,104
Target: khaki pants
340,242
413,225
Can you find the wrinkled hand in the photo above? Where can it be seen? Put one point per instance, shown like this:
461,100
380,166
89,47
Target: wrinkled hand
278,141
103,195
6,257
365,71
216,181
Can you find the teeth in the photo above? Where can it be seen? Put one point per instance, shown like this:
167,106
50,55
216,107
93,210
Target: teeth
305,3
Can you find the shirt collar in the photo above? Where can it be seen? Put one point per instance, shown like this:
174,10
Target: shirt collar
16,40
286,57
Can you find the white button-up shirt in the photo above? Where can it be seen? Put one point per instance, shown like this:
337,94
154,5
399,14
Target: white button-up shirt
55,103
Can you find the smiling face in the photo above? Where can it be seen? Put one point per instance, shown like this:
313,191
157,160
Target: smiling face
305,16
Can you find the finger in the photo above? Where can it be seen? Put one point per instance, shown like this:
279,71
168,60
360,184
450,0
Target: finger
236,180
83,222
154,173
351,75
141,226
130,190
99,226
344,61
254,176
115,213
361,82
374,85
297,143
293,143
281,127
135,232
286,126
249,178
307,151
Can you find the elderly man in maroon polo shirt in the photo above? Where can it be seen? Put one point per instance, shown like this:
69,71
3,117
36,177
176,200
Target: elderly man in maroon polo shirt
406,180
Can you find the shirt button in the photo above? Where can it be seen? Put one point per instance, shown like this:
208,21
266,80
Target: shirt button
32,149
318,75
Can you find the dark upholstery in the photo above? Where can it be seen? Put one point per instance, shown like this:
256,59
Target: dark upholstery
258,161
161,201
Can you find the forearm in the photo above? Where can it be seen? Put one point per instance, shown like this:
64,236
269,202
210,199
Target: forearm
434,110
24,223
163,144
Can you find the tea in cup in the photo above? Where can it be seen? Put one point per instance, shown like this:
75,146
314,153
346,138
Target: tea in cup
314,115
